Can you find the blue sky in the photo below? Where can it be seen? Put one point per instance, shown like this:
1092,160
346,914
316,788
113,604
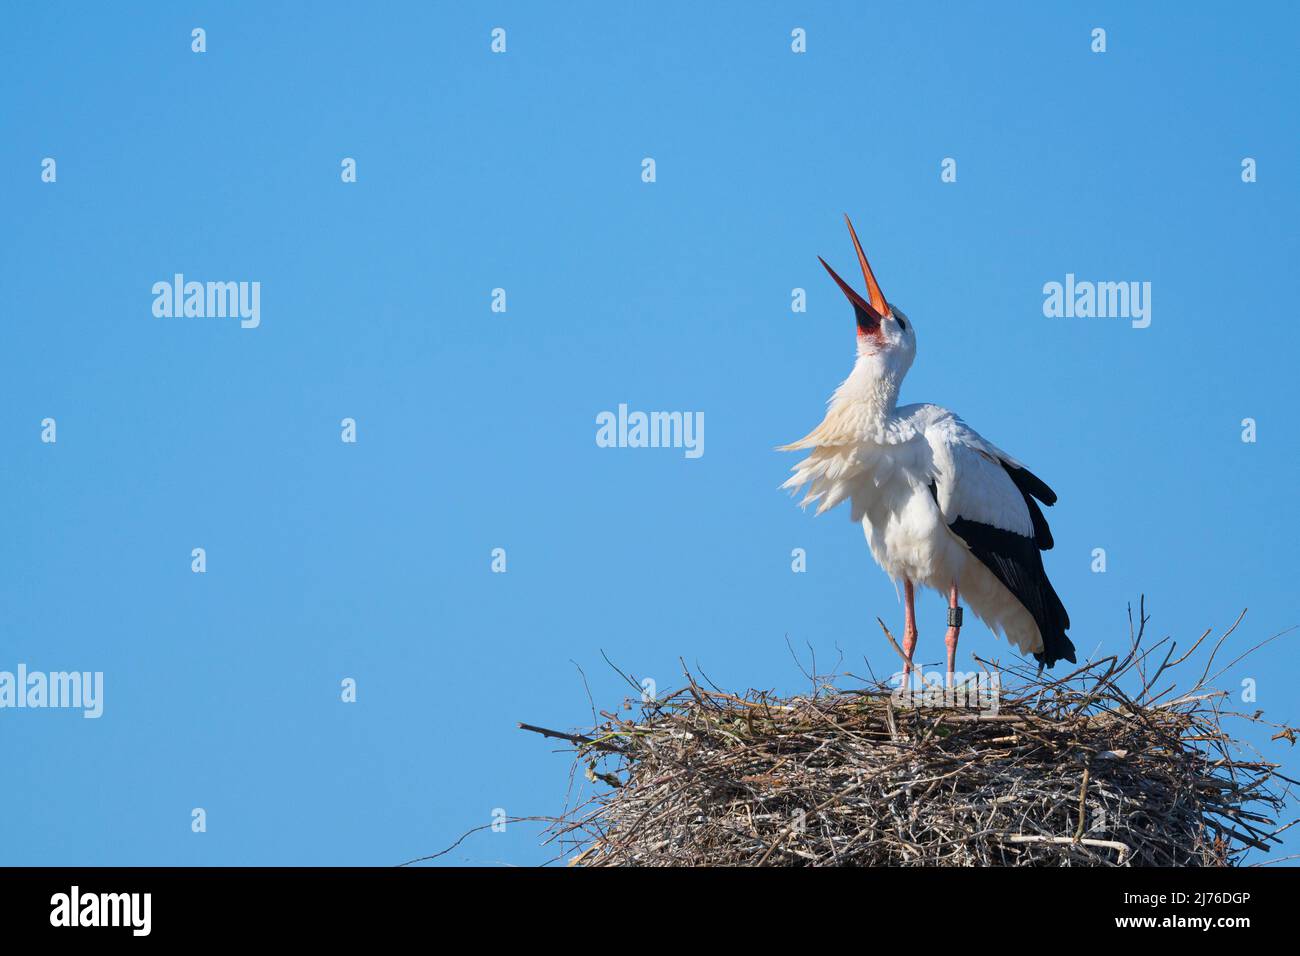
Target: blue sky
522,171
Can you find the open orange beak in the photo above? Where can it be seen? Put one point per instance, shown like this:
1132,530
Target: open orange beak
871,310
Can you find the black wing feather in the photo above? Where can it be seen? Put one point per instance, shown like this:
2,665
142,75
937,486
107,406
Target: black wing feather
1029,483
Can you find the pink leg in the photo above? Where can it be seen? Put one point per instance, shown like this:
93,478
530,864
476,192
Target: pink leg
909,625
954,628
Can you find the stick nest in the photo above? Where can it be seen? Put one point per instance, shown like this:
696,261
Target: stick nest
1076,771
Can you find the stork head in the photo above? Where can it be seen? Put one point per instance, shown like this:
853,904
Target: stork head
885,335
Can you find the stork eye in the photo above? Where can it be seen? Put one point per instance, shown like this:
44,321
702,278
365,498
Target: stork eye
901,324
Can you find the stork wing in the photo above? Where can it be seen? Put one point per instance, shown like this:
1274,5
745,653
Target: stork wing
971,482
987,500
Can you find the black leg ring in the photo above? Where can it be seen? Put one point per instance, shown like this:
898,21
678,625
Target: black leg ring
954,617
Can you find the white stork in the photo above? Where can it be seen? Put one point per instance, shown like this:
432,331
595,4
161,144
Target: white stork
940,505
